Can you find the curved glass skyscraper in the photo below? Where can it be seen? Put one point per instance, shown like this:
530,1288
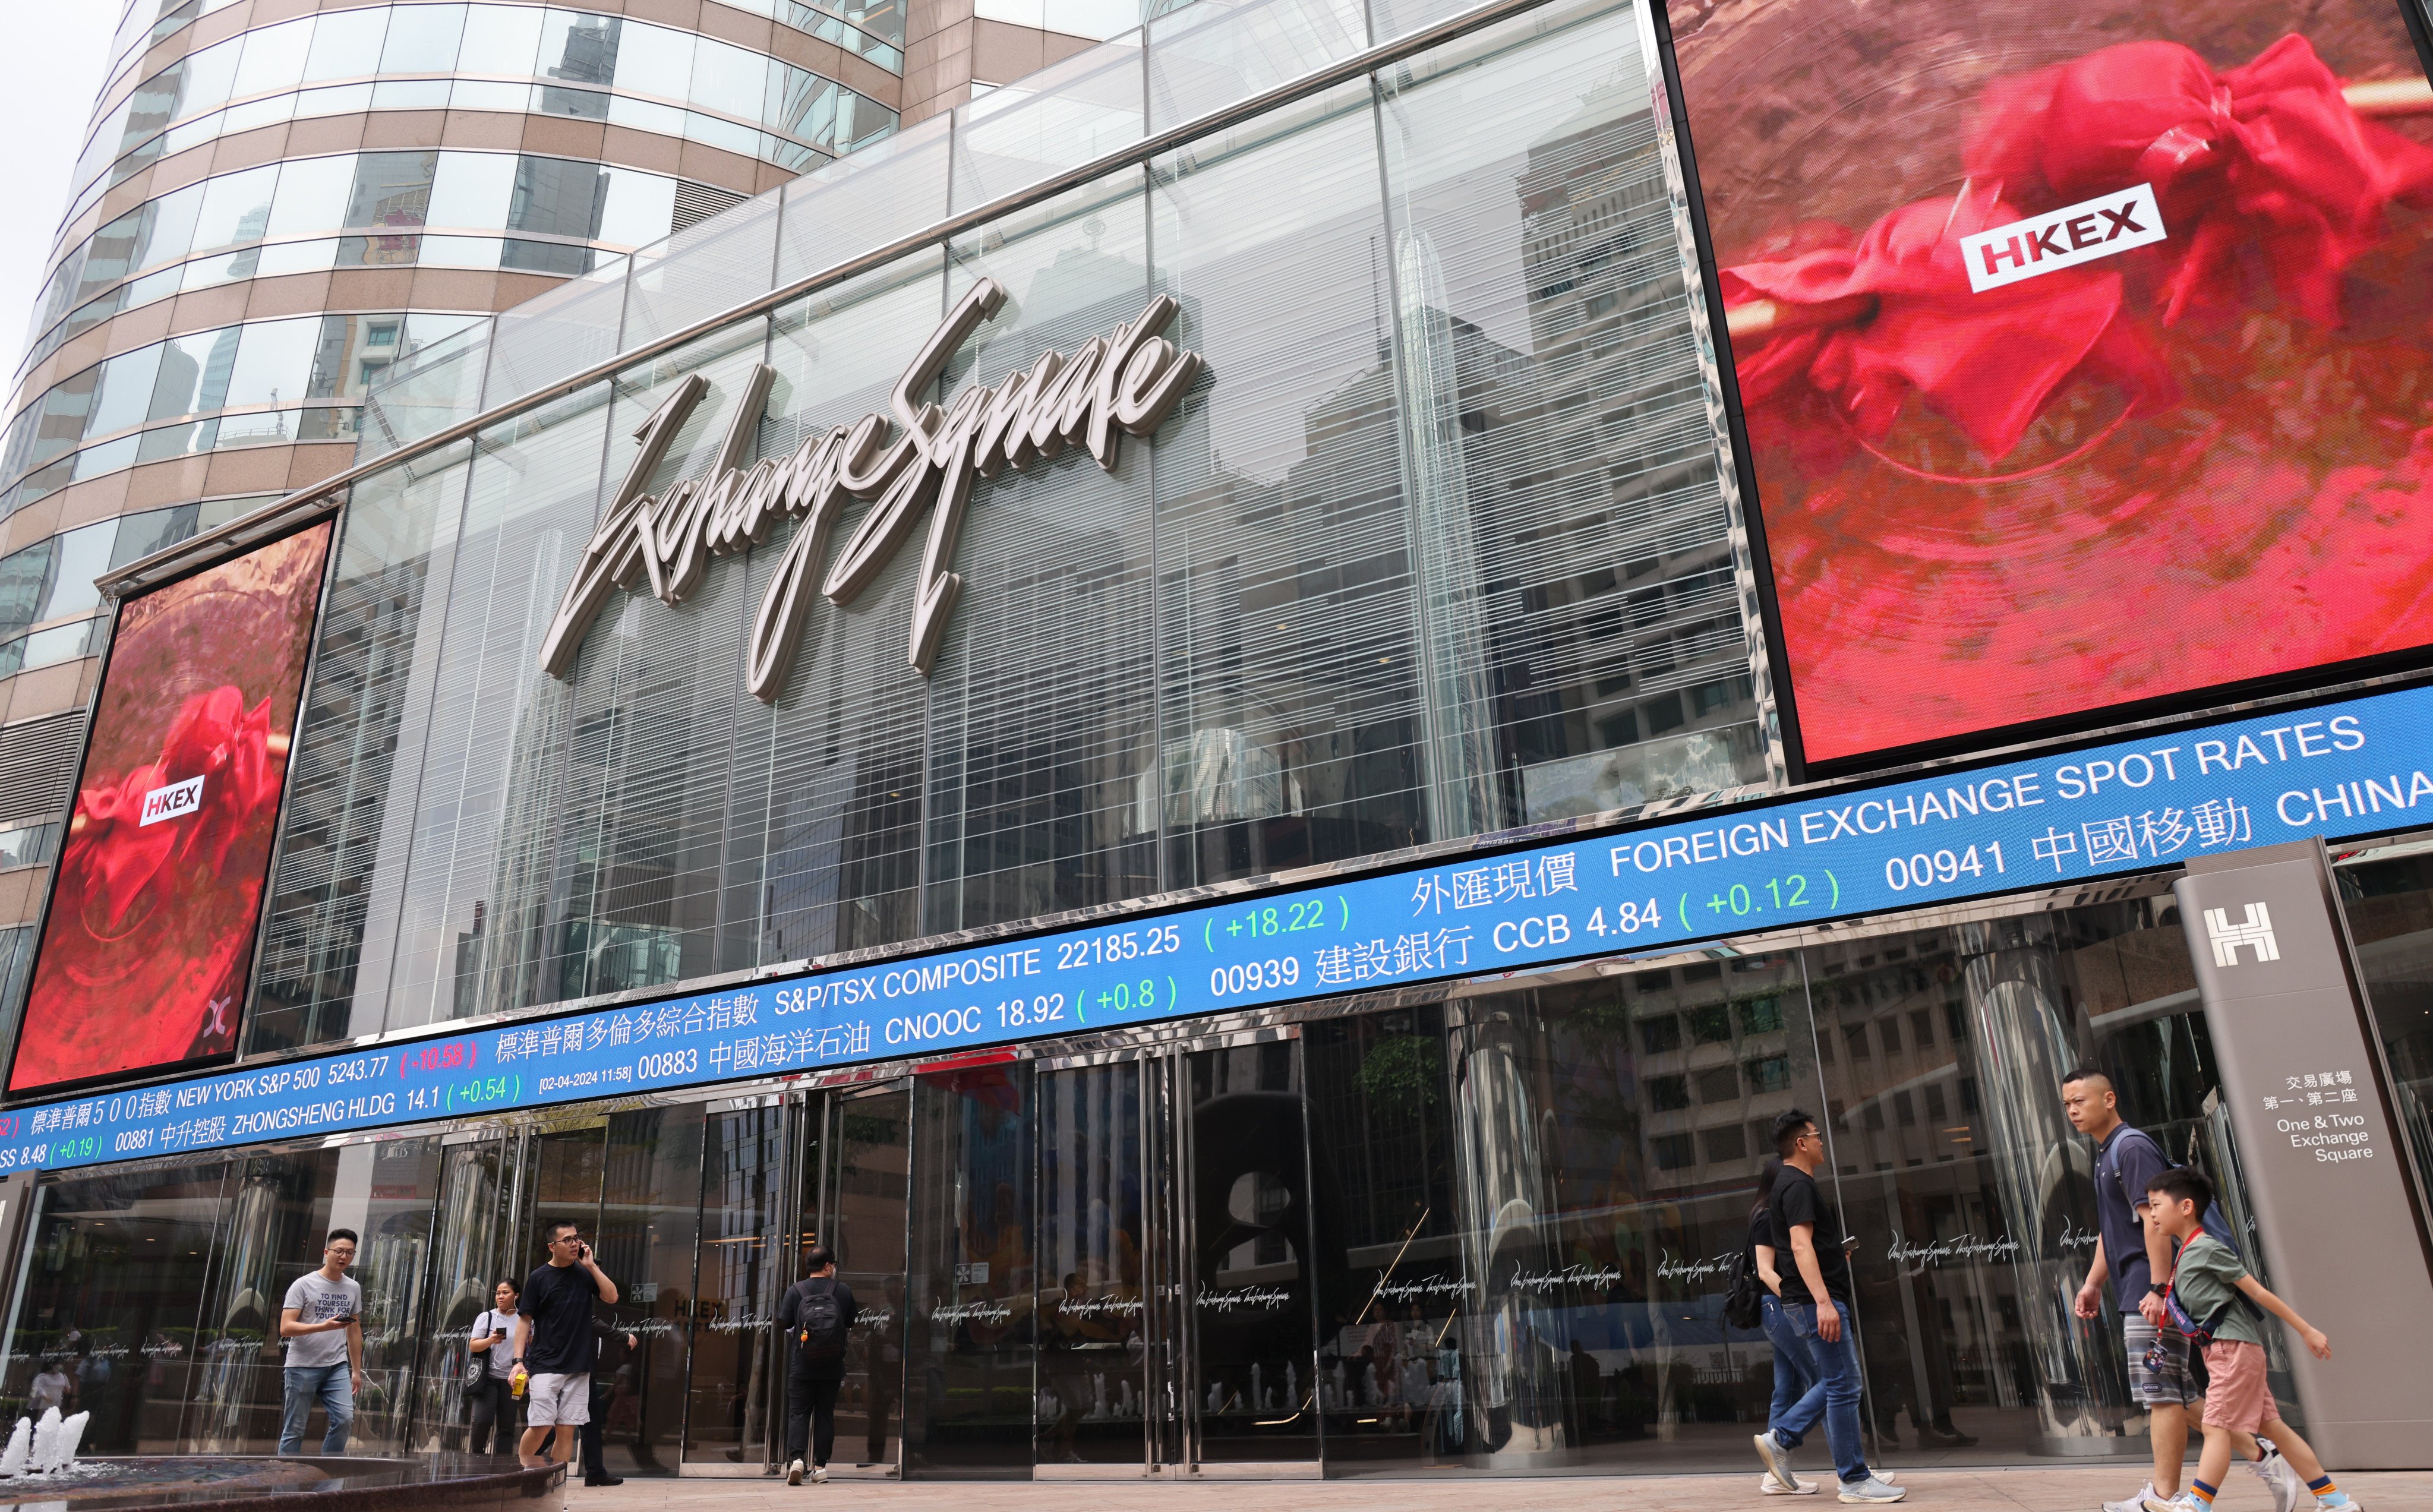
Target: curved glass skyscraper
275,202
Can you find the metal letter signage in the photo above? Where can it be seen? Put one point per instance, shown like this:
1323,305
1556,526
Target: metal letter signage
1126,383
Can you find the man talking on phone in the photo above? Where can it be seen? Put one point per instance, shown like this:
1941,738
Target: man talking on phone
321,1320
554,1345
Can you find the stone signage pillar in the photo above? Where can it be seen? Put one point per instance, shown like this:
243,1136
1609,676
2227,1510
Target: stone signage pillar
2343,1226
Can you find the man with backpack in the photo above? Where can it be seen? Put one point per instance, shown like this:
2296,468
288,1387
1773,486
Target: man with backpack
2135,1257
815,1318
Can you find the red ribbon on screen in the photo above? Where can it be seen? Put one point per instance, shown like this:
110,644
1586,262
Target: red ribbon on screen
2269,154
213,736
1867,324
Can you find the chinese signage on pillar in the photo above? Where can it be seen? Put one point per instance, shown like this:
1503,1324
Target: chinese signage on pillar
146,947
2317,1147
2084,350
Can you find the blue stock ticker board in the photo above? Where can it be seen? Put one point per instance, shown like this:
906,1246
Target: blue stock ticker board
2337,770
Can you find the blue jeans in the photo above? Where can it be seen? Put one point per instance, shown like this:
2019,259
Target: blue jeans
1836,1365
1799,1395
334,1389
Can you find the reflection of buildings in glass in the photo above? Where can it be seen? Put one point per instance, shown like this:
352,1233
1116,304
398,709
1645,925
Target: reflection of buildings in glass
1604,604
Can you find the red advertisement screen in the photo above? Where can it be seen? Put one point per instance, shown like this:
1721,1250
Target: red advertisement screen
2085,350
144,952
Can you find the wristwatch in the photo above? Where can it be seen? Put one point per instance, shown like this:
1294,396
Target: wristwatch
2156,1288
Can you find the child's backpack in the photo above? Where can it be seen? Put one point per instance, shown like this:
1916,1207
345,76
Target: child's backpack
2213,1222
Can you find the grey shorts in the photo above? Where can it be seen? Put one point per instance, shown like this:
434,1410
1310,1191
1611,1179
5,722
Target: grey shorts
2175,1384
557,1400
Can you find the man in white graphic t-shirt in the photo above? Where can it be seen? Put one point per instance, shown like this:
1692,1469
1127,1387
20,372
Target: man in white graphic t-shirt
322,1322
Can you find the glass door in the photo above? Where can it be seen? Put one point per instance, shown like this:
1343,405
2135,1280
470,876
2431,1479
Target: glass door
470,1256
1251,1377
862,1209
1094,1405
970,1354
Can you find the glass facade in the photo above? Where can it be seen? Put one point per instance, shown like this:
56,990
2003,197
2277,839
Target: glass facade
263,383
1490,1231
422,208
525,59
1312,621
1437,551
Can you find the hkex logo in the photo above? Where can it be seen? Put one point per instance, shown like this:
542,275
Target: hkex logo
172,802
2064,238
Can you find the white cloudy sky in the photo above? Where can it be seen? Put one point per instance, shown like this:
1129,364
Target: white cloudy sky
50,65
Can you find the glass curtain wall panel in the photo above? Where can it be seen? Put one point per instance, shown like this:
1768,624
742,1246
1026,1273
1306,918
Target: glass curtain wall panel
476,932
1586,646
566,1156
658,693
1973,1202
1257,1209
970,1357
278,1212
1043,722
741,1274
114,1281
864,1221
1092,1286
389,1192
837,773
1288,691
331,916
275,1222
470,1257
650,1220
2389,909
1604,1183
1395,1287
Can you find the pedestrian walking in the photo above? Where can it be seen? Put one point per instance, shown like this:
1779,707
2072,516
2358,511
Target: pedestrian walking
2218,1305
2130,1255
489,1391
816,1316
1816,1302
1798,1394
555,1344
612,1347
321,1320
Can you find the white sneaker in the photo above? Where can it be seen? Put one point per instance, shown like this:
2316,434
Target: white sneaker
1873,1489
1768,1487
819,1476
2185,1502
1777,1460
2135,1503
794,1473
2289,1492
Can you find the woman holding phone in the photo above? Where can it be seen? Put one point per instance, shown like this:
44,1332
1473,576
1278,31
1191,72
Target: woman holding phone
493,1349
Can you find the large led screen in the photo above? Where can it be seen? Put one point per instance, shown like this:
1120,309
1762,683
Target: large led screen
2085,350
157,892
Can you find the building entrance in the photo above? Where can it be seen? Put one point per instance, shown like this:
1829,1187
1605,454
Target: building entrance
1487,1232
1097,1267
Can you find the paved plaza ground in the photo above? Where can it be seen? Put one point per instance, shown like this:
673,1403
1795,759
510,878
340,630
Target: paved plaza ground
1992,1490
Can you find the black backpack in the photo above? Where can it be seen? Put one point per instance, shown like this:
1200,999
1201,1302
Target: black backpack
819,1321
1743,1305
1745,1302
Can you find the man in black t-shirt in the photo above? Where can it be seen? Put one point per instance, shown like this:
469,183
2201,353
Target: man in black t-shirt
554,1347
1816,1302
